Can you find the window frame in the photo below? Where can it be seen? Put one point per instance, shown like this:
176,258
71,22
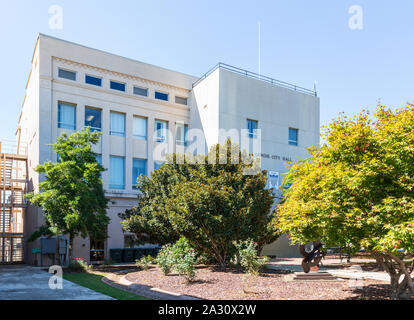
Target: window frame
134,183
161,92
252,135
117,134
185,128
293,142
92,84
184,98
142,88
93,128
146,128
113,186
156,138
67,70
75,110
117,82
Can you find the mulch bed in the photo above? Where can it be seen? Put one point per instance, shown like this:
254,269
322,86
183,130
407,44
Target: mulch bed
213,283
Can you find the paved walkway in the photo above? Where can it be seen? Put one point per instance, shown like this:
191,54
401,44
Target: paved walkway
353,272
30,283
120,282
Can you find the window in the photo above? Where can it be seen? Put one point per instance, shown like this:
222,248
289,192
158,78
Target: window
117,124
66,74
161,96
66,116
181,134
93,80
252,127
181,100
93,119
117,86
117,172
293,136
139,167
140,128
141,91
158,164
161,128
99,158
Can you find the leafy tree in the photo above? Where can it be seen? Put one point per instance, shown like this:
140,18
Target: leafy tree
357,191
207,199
71,195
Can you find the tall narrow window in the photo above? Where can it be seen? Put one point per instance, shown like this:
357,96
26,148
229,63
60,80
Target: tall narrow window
117,124
293,136
161,130
66,116
139,167
251,128
93,119
117,172
140,128
66,74
181,134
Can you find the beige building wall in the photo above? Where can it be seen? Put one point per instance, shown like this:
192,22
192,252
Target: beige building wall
223,99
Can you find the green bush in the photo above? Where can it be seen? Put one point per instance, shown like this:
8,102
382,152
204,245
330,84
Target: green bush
180,257
249,259
247,254
80,265
144,262
165,259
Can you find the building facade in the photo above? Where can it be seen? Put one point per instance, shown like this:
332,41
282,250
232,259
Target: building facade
141,108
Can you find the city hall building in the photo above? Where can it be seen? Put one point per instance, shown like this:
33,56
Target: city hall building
136,105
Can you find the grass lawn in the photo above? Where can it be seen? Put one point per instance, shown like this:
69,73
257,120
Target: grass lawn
93,282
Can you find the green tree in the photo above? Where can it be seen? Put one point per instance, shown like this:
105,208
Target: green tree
210,200
357,190
72,196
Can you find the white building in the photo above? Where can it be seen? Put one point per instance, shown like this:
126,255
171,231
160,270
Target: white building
71,86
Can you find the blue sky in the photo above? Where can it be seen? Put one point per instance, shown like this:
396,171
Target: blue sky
301,41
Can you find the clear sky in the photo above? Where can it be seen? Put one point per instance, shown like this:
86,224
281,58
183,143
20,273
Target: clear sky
301,41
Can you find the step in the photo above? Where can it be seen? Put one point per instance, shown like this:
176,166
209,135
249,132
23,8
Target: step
314,276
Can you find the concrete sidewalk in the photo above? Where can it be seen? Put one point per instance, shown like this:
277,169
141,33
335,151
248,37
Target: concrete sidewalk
352,272
29,283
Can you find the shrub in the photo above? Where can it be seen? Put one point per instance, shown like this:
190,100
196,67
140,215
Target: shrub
180,257
144,262
250,261
165,259
80,265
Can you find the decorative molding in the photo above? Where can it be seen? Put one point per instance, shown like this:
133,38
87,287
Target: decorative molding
122,75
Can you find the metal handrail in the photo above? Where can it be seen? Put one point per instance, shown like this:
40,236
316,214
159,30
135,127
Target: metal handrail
257,76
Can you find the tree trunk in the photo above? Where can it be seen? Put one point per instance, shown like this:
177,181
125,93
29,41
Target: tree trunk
396,268
70,248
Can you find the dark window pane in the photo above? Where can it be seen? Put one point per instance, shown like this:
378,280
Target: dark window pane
93,119
93,80
161,96
141,91
65,74
117,86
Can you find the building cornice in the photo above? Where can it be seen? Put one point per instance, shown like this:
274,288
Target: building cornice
121,75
